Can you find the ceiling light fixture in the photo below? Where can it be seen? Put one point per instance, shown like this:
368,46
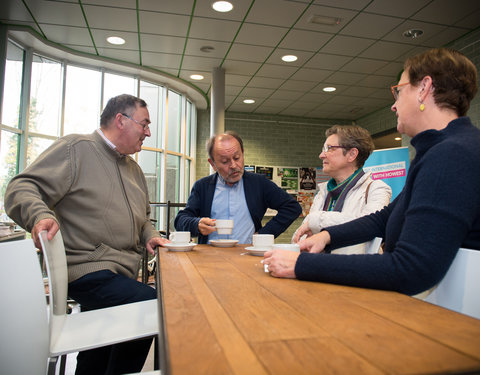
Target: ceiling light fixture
398,138
249,101
197,77
222,6
329,89
207,49
289,58
115,40
412,33
324,20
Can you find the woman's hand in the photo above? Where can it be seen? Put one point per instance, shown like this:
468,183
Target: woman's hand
315,243
304,229
281,263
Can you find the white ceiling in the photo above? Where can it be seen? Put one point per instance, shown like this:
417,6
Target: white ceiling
361,56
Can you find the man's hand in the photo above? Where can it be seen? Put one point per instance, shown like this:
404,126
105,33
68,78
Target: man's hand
281,263
304,229
315,243
50,225
206,226
154,242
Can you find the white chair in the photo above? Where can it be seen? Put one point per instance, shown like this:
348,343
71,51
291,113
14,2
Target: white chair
91,329
23,316
459,290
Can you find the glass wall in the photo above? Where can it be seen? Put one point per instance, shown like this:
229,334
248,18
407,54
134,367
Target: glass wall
82,100
48,99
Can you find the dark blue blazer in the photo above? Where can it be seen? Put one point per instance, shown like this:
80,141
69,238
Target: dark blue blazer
260,194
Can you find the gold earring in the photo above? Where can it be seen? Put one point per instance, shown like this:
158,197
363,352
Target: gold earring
422,107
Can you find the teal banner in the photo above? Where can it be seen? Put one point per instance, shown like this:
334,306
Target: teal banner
389,165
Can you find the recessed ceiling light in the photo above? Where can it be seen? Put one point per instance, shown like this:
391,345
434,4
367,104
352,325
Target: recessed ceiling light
249,101
413,33
197,77
329,89
398,138
222,6
115,40
289,58
324,20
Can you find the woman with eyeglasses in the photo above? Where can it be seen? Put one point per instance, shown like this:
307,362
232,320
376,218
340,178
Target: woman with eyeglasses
438,210
350,193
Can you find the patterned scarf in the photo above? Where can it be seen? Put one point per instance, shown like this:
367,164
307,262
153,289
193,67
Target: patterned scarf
337,193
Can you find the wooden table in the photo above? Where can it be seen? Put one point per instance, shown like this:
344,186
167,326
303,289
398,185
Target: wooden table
224,315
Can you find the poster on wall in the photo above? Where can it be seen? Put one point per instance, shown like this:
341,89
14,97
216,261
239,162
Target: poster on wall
287,178
389,165
267,171
249,168
307,178
305,199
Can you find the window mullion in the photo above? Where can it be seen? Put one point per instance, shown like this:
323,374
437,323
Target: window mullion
24,109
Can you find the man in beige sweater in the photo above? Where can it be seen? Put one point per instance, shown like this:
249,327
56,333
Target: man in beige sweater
88,187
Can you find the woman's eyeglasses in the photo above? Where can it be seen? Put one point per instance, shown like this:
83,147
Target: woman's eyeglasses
329,148
396,91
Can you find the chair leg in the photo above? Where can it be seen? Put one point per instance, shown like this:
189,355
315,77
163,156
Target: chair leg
52,365
63,364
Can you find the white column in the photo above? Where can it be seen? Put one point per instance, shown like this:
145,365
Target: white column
217,113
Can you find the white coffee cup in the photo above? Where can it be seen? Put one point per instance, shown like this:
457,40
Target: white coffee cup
287,246
179,237
224,226
263,241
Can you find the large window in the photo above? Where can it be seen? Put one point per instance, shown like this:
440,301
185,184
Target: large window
48,99
13,80
174,119
10,132
82,100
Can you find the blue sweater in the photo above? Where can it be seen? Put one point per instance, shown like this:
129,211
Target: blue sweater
437,212
260,194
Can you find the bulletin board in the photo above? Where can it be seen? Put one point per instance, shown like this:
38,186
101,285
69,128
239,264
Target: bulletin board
299,182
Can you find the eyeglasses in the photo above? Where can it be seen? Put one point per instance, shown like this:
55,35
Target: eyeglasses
329,148
396,91
144,126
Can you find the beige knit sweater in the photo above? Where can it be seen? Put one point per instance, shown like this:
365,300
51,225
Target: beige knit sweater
98,196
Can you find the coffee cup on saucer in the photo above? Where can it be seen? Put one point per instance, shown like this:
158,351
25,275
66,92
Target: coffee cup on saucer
224,226
180,237
262,241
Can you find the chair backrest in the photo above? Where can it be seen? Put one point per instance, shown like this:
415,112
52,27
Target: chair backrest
56,262
459,290
23,316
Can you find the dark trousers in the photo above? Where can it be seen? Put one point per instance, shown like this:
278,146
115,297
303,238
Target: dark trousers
102,289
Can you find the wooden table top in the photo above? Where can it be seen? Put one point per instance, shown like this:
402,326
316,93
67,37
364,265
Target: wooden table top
224,315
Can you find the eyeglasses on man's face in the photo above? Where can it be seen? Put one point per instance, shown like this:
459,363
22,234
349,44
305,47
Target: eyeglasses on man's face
330,148
396,91
144,126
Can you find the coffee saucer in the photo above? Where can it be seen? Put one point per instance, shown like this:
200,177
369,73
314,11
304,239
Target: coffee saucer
223,243
179,246
257,251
